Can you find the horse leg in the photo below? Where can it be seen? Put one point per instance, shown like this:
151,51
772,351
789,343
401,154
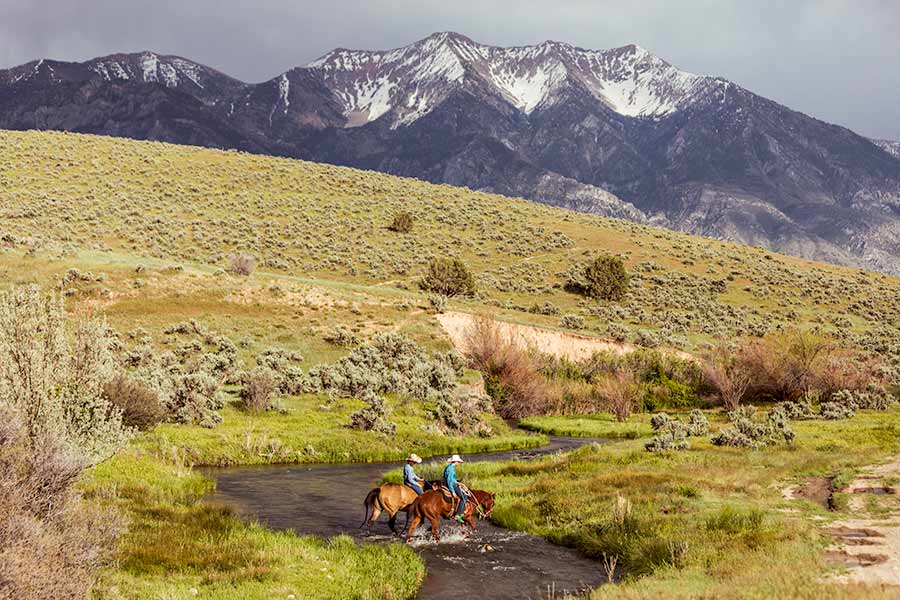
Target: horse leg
392,523
411,528
436,528
471,521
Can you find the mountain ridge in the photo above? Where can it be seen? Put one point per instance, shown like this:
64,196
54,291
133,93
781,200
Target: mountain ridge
617,132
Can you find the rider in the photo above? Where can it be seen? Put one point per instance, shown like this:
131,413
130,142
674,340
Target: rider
453,485
410,479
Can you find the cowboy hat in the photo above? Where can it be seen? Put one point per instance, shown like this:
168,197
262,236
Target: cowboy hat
413,458
456,458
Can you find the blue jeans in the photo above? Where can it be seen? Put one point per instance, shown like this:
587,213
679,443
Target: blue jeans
414,487
462,500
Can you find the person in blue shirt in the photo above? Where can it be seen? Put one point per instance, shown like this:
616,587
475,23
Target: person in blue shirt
453,485
410,479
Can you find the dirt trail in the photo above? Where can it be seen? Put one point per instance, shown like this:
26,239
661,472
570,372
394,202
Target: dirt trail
561,344
869,544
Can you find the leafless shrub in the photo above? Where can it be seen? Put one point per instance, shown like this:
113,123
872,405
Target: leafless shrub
259,388
727,375
52,544
620,392
511,374
242,264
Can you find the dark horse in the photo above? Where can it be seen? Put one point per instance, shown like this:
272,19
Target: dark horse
433,505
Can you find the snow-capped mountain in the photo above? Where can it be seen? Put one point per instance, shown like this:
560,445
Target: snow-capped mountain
617,132
407,83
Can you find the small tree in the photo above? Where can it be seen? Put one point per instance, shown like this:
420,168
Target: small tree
603,278
448,277
402,223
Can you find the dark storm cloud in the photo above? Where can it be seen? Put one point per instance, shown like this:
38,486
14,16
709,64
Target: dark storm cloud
836,60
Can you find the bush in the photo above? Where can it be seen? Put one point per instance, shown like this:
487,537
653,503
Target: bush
727,375
833,411
242,264
373,417
52,544
800,410
259,388
448,277
283,364
572,322
52,385
438,303
603,278
402,223
672,434
140,406
461,411
511,374
619,390
747,432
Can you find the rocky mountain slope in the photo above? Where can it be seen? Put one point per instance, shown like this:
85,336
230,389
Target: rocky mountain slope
618,132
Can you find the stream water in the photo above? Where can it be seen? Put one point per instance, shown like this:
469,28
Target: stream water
493,563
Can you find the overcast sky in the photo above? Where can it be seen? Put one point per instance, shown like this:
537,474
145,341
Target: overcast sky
838,60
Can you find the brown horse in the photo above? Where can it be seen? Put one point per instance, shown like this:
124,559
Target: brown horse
433,505
390,498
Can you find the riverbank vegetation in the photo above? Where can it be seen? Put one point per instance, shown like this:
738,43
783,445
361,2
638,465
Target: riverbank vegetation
706,522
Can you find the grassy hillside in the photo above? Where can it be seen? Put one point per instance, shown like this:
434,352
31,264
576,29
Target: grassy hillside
142,234
64,194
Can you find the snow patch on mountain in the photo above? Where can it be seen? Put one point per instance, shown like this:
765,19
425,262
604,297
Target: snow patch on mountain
892,148
408,82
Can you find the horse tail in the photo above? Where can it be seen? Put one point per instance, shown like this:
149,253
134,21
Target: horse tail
369,503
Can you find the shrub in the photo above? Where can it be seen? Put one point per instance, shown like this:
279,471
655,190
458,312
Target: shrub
747,432
259,388
783,367
140,406
619,390
672,434
54,386
283,364
196,399
242,264
801,410
389,363
402,223
603,278
52,544
833,411
511,374
727,375
461,411
448,277
572,322
438,303
373,417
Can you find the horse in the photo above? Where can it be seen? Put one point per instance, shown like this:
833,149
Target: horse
392,498
433,505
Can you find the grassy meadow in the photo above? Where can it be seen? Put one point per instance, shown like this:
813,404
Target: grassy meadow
142,235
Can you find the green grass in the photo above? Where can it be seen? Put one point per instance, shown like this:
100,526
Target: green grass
315,431
708,522
178,546
595,426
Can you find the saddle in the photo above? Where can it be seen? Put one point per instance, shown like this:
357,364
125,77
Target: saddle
448,496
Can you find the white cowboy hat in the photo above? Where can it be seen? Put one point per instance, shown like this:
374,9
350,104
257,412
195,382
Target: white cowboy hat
413,458
456,458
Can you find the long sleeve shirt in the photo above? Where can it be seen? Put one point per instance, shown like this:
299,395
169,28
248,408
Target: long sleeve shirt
450,476
409,476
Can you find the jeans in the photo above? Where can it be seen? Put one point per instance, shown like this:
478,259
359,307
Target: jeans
462,500
415,487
